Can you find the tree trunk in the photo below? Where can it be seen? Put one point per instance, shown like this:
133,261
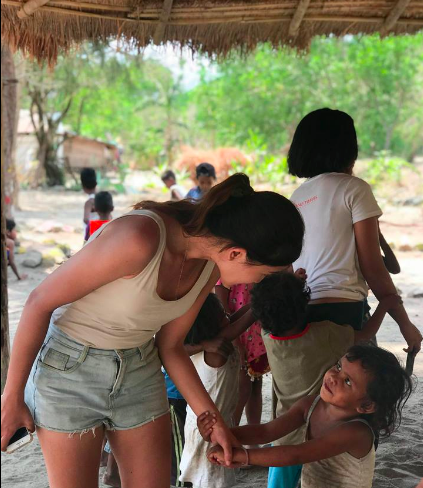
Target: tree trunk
5,339
10,88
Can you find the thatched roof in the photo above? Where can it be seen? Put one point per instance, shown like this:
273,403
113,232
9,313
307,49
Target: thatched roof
43,28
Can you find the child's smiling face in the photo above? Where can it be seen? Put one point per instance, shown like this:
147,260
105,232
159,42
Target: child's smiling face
345,386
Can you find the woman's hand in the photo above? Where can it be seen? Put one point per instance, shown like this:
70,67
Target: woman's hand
14,415
222,435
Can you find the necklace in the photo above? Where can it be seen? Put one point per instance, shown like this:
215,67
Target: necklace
182,269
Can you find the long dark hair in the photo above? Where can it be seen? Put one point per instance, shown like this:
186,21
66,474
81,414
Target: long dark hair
265,224
389,388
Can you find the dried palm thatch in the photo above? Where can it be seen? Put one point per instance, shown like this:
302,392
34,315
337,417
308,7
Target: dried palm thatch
44,28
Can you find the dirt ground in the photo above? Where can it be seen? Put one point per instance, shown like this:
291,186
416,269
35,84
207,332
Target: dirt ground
49,218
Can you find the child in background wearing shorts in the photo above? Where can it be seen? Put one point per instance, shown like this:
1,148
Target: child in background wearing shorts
11,237
89,185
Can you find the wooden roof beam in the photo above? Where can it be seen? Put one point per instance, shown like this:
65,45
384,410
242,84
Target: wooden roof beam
393,16
294,26
30,7
163,20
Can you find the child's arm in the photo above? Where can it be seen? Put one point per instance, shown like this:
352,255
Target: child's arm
223,295
240,325
345,438
371,328
389,258
88,208
262,433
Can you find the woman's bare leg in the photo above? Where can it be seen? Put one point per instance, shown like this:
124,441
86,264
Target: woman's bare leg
72,461
143,454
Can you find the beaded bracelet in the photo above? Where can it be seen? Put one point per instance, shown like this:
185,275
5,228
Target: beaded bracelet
247,462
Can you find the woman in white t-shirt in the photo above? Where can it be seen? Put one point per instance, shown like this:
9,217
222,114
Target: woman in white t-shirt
341,253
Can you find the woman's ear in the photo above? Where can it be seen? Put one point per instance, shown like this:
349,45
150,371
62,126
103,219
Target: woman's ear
367,407
237,254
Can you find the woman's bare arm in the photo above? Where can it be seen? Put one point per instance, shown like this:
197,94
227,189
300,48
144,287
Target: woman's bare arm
170,342
99,263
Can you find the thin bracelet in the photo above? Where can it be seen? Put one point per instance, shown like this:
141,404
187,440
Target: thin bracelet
247,462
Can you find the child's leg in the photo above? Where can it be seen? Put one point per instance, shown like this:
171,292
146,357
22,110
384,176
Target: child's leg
244,394
111,476
284,477
254,405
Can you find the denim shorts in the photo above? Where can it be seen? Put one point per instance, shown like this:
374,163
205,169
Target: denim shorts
74,388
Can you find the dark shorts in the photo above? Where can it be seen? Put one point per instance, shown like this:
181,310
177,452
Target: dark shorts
178,413
341,313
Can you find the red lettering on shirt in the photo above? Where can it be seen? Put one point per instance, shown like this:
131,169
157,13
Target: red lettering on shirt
306,202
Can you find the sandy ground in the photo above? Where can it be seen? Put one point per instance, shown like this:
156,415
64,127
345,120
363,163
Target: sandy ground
399,459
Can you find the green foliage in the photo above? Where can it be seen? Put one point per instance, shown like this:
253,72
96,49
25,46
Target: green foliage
253,102
385,167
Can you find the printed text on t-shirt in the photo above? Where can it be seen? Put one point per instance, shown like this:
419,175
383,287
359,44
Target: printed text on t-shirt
306,202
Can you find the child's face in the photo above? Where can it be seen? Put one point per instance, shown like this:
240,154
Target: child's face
205,183
12,234
169,182
345,386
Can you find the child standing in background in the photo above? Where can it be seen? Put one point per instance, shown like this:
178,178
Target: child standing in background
89,185
177,192
206,177
103,206
11,237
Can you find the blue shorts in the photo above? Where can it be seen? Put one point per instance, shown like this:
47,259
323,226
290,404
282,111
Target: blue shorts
74,388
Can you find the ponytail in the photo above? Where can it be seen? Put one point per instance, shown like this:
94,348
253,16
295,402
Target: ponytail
265,224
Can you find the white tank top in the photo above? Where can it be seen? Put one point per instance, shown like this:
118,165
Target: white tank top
126,313
341,471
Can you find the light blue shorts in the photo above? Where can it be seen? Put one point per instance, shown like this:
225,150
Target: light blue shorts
75,388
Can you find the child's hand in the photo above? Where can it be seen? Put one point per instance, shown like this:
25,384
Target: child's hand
301,273
216,456
205,423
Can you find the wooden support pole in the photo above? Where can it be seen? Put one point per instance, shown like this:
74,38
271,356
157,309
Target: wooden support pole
393,16
5,337
163,20
294,26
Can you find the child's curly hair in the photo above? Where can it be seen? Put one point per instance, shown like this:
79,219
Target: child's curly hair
279,302
389,388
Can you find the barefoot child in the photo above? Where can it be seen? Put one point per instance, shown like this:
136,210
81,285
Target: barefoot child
11,237
300,353
220,378
362,394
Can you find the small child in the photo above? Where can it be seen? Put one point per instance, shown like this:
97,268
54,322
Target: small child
11,237
280,302
103,206
176,191
219,376
89,185
206,178
364,393
254,362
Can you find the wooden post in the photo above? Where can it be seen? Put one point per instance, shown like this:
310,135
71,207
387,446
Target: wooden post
5,338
